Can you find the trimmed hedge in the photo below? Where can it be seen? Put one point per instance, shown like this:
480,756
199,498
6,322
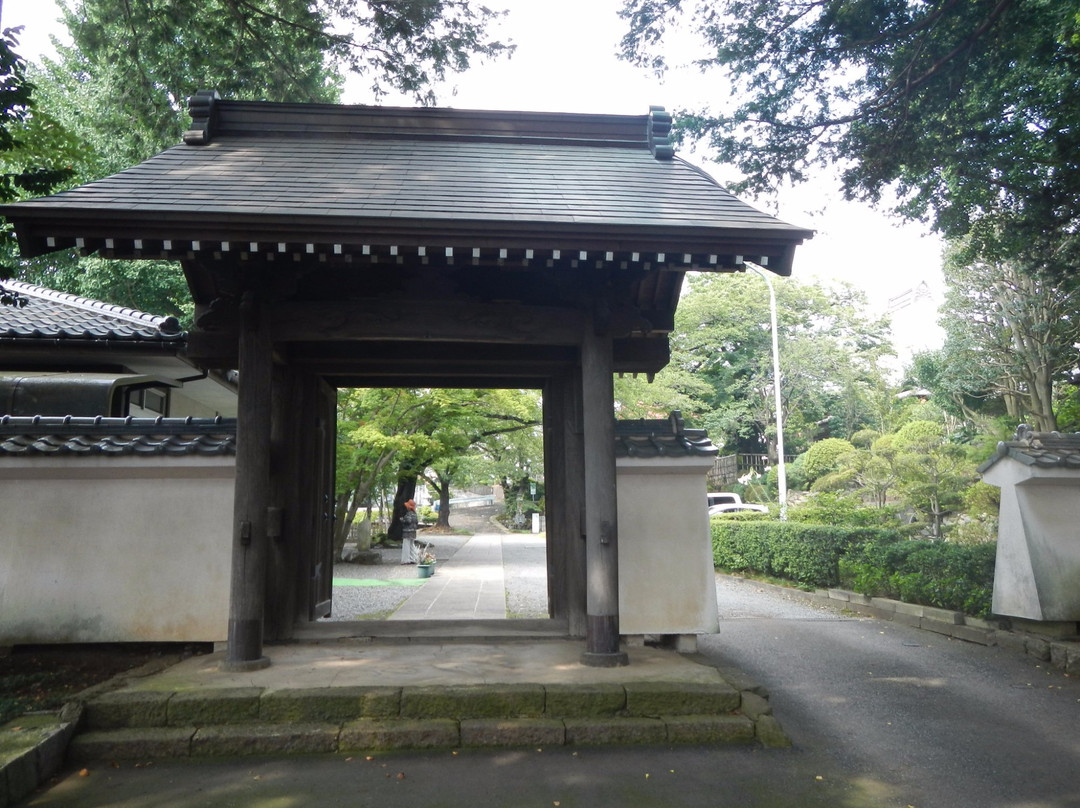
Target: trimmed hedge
806,554
933,573
880,562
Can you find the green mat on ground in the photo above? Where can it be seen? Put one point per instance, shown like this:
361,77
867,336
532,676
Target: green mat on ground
379,582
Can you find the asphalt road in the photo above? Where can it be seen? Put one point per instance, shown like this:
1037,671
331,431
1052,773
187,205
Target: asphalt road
908,715
881,715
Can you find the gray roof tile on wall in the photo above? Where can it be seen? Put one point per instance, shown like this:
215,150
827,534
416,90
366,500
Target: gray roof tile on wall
661,438
1041,449
42,437
49,314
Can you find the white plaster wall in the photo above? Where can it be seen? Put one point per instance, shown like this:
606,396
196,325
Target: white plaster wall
667,584
115,549
1038,554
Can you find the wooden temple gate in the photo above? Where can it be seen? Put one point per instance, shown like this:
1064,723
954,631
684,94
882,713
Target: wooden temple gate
330,246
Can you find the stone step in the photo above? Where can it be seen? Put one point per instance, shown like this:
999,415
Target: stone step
155,708
143,724
368,735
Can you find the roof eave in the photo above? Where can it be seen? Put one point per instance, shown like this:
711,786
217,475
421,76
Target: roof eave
89,229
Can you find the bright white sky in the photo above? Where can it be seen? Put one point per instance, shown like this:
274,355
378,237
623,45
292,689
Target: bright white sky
565,62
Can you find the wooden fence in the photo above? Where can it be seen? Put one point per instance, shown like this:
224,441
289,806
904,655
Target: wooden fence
727,469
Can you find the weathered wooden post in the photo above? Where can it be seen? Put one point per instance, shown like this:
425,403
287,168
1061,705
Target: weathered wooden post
601,513
564,459
252,497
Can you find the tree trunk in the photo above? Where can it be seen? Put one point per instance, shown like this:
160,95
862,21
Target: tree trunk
406,490
346,505
444,503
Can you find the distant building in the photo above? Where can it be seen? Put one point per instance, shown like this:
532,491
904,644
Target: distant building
914,315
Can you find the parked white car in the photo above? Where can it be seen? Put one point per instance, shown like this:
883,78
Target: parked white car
726,502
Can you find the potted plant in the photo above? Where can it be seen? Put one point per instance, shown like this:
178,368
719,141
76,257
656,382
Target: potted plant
425,567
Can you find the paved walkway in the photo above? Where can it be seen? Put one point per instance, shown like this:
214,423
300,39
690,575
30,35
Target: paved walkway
468,586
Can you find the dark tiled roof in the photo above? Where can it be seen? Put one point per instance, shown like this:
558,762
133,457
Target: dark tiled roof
40,436
1043,449
668,437
48,314
383,175
530,182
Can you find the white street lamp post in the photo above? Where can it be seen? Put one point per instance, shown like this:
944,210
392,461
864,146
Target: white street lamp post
781,468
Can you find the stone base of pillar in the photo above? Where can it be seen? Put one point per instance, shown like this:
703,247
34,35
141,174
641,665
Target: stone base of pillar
614,660
244,665
602,642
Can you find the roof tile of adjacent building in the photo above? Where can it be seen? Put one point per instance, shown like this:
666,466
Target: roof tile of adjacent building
99,436
1043,449
49,314
661,438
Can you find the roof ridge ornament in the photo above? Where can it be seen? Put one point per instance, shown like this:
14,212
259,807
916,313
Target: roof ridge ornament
659,134
201,109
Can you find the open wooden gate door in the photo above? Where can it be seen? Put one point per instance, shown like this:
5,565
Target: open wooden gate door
321,544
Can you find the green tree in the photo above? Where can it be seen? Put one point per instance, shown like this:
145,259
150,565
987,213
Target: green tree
375,427
119,91
967,110
35,152
873,470
933,472
1011,333
388,438
133,65
483,425
829,353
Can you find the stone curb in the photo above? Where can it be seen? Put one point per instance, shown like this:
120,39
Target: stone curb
32,749
1040,641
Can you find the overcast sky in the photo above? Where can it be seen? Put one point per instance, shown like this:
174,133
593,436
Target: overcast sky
565,62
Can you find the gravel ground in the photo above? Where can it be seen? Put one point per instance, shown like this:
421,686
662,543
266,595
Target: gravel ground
525,568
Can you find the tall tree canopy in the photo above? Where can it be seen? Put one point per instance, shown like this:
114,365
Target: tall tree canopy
829,352
35,152
132,65
968,109
387,435
1011,335
118,92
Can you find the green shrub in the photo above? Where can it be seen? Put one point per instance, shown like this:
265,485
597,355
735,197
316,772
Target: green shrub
864,438
932,573
745,516
806,554
838,480
982,499
824,456
841,508
795,471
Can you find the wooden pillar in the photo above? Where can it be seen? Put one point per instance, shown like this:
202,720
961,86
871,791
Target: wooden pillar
601,515
252,496
564,464
286,441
